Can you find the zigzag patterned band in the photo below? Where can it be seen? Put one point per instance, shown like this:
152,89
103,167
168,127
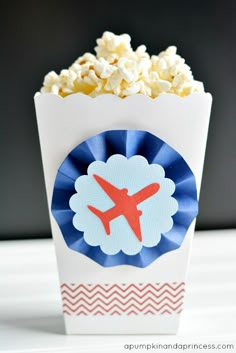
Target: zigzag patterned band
123,299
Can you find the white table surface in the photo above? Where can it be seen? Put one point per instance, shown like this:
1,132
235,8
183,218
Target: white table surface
30,307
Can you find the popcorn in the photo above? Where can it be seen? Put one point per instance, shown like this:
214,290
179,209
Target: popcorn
112,47
118,69
128,69
51,83
103,69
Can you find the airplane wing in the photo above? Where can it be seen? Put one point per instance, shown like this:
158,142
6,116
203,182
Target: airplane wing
113,192
146,192
135,225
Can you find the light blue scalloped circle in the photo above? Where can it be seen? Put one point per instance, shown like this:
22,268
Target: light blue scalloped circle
134,174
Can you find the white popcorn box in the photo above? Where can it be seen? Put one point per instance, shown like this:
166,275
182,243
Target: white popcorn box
123,179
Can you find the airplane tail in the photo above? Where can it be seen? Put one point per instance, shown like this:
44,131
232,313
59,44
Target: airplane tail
103,218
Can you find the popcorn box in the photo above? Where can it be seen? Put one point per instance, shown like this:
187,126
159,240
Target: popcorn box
122,179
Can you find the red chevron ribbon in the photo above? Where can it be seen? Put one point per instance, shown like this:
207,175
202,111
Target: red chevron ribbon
122,299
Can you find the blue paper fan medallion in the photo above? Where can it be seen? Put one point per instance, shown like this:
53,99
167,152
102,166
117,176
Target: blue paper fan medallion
124,197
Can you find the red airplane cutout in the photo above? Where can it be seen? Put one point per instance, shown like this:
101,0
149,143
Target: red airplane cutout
125,205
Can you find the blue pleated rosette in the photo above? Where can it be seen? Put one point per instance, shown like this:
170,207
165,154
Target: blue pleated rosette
133,148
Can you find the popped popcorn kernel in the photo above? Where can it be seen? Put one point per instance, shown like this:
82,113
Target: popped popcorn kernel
111,45
103,69
118,69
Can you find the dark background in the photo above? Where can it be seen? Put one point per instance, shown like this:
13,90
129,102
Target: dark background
40,36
